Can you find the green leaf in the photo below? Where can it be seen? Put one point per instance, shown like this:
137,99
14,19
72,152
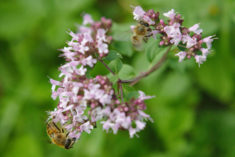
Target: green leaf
123,47
112,78
181,48
113,55
115,65
127,72
130,95
121,32
151,49
129,92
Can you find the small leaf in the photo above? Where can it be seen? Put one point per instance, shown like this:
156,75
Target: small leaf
113,55
123,47
130,95
112,78
130,92
127,72
151,49
181,48
115,65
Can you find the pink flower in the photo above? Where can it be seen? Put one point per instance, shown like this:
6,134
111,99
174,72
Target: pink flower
105,99
75,134
132,132
82,47
195,29
148,20
138,13
170,14
54,84
84,29
190,41
205,52
143,115
74,36
101,39
87,127
143,97
97,114
174,33
100,36
87,19
154,33
87,37
107,125
88,61
208,41
102,48
68,53
181,55
200,59
81,71
140,125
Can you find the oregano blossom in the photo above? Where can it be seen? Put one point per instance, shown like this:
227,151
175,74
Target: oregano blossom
85,100
172,32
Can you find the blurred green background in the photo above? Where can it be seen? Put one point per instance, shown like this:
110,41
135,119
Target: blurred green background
194,108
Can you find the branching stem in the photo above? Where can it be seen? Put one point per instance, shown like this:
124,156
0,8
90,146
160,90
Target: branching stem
152,69
106,66
141,75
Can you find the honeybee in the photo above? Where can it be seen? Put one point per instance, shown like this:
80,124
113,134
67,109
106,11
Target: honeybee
141,32
58,136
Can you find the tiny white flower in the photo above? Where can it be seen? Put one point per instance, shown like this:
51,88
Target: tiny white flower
200,59
54,84
140,125
170,14
81,71
195,29
138,13
142,96
148,20
87,19
87,127
208,40
174,33
205,51
132,132
189,41
181,55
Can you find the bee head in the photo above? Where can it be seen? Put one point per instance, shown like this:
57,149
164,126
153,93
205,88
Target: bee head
144,23
69,143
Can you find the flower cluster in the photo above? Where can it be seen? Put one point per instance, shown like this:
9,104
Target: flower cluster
173,32
83,101
129,116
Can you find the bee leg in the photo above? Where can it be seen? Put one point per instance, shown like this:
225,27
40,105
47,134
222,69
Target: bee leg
149,35
145,39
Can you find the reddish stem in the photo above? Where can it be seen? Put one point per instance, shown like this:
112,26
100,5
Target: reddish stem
144,74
